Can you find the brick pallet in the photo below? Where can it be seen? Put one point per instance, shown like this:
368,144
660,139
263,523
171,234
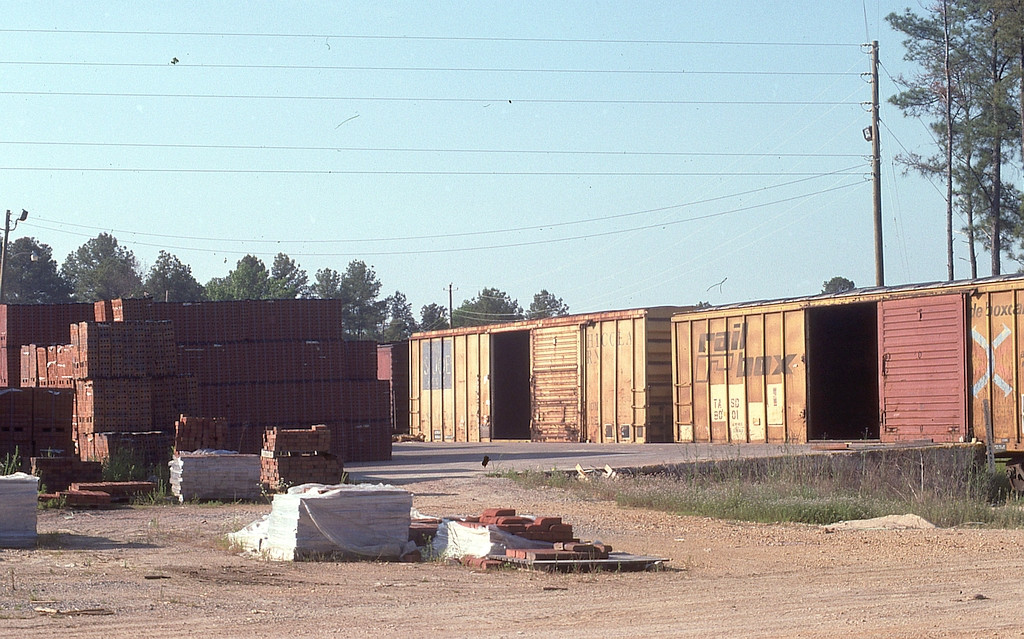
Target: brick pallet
292,456
34,324
215,476
57,473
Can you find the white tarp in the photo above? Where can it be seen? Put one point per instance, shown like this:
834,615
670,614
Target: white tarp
456,539
19,499
356,521
215,474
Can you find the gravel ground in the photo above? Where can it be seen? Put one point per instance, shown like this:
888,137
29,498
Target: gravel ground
166,571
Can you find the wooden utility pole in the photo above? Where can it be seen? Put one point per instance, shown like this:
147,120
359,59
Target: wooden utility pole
876,167
451,319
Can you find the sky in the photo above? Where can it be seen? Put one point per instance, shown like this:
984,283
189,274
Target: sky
618,155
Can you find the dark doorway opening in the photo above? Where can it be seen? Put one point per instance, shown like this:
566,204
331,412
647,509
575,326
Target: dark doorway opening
510,385
842,372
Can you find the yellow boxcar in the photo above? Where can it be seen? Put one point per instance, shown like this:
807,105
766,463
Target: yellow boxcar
601,377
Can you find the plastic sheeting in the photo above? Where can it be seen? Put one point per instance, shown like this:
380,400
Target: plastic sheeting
19,496
215,474
456,539
368,521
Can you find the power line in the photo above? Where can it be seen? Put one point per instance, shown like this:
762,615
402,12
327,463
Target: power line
420,238
657,225
108,169
317,67
491,100
362,149
408,38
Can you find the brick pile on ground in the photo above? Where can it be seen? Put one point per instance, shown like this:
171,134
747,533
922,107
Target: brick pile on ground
230,476
78,498
293,456
550,529
562,551
57,473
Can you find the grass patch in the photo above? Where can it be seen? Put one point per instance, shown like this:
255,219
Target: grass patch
10,463
947,486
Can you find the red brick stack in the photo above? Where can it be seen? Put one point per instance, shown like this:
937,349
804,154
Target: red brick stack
57,473
35,421
202,433
267,363
41,324
293,456
571,551
550,529
127,395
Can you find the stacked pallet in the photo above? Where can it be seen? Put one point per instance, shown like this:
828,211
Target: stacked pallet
360,521
47,366
215,476
203,433
127,392
293,456
18,496
267,363
58,473
35,421
41,324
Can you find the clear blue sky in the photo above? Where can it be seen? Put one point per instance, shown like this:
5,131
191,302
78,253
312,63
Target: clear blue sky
616,154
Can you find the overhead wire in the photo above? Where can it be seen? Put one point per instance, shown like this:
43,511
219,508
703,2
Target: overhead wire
427,99
425,251
409,38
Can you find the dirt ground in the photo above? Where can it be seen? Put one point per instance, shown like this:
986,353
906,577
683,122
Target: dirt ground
166,571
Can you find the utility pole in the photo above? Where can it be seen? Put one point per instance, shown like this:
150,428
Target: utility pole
3,250
451,318
876,168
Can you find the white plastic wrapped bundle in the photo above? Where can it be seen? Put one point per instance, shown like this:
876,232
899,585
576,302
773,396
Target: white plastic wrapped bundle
19,496
357,521
215,475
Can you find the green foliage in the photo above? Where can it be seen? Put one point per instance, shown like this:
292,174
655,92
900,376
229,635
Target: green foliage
363,314
31,276
170,280
490,306
433,317
326,285
400,321
547,305
287,280
250,280
124,465
10,463
811,489
101,269
980,97
837,285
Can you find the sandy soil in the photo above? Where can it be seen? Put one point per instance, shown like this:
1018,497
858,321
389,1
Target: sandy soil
166,571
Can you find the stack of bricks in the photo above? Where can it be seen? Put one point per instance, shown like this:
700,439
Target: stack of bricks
202,433
292,456
127,395
47,366
146,448
40,324
561,551
549,529
57,473
35,422
261,364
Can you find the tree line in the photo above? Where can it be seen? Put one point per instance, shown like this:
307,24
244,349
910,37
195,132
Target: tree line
103,269
969,87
